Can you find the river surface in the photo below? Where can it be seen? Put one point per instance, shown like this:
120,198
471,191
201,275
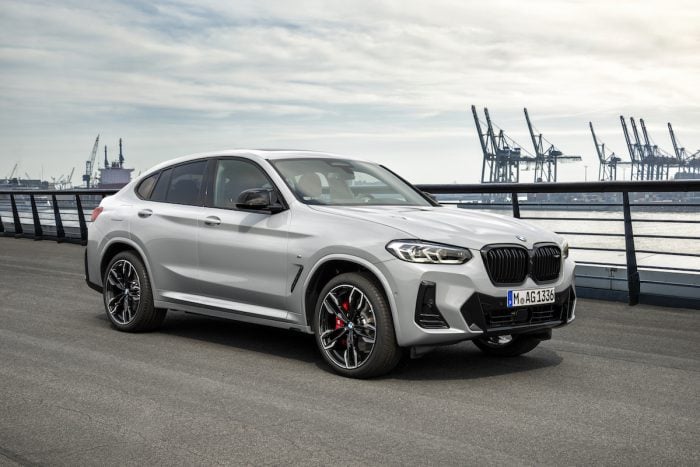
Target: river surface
650,250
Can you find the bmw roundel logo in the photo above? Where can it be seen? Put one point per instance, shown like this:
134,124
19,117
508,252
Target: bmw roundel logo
521,238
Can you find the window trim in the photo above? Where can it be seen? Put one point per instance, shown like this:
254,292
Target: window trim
202,191
211,180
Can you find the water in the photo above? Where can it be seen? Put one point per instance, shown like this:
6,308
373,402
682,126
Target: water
551,220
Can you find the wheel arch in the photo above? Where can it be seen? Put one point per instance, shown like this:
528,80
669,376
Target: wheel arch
117,246
332,265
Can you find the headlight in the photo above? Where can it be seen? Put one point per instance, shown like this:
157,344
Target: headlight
416,251
565,249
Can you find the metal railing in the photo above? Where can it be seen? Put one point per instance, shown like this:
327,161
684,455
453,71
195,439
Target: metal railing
510,194
61,215
64,215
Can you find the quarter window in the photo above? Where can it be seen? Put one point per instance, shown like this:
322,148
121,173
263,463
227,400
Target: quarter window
146,186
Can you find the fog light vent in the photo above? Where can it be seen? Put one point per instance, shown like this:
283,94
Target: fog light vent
427,313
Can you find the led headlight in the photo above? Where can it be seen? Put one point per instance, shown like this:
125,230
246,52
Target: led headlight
417,251
565,249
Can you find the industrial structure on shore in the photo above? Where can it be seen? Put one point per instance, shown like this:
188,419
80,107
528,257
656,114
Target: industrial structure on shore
503,158
111,174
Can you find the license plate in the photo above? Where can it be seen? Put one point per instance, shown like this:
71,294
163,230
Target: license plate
530,297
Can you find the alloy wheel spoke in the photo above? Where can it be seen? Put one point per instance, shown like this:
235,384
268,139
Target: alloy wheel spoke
127,310
333,335
115,280
366,331
334,308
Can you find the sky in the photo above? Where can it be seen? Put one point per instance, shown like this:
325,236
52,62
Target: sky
386,80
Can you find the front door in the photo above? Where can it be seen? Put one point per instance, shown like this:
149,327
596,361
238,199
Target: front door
242,254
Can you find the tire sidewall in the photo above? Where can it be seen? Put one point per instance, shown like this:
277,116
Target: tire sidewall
145,300
385,338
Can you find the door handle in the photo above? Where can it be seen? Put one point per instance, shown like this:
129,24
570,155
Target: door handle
212,220
145,213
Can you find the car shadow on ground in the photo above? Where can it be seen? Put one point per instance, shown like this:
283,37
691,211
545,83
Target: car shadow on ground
459,361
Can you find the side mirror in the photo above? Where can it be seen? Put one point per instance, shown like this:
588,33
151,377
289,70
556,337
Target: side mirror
258,199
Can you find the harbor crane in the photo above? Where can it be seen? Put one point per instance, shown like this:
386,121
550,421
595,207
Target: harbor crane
502,157
90,164
12,173
689,165
636,154
546,160
661,160
607,161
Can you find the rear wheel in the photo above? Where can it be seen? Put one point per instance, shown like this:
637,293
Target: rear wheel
354,329
506,346
127,295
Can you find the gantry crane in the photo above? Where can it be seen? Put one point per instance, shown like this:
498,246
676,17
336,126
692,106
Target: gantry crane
90,164
12,173
502,157
608,161
661,160
688,164
546,160
635,149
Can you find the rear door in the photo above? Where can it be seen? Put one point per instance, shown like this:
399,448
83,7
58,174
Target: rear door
165,225
242,254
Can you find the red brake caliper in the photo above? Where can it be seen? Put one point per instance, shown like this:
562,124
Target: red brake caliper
339,323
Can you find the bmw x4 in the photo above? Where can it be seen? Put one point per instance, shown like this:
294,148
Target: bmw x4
337,247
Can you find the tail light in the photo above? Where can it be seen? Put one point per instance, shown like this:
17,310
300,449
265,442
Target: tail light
96,213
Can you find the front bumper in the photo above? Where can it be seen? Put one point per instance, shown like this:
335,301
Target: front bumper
469,303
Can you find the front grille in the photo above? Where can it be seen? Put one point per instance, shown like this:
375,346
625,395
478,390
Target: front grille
510,265
507,265
546,263
506,317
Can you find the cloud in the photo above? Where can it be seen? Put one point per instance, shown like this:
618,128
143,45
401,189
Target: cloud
368,76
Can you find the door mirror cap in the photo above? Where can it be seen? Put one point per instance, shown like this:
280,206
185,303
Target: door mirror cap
258,199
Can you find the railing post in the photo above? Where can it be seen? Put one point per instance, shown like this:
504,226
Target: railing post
38,231
633,283
516,205
2,226
60,233
15,216
81,219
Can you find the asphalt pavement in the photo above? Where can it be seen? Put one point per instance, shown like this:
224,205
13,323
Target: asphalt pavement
621,385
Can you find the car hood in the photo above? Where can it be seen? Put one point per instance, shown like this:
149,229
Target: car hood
452,226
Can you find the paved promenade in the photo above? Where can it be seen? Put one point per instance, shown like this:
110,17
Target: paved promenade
619,386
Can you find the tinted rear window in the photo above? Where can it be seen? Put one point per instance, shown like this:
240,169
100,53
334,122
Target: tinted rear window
146,186
186,184
161,188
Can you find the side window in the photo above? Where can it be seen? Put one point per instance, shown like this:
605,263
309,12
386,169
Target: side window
146,186
234,176
186,183
161,188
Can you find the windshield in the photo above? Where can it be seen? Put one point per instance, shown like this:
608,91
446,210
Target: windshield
340,182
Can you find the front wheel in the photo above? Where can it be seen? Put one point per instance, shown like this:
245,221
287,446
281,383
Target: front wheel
353,327
506,346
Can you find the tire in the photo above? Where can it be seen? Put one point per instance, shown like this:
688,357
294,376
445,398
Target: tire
517,345
129,303
354,328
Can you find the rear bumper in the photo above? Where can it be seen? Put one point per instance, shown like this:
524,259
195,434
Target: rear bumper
89,283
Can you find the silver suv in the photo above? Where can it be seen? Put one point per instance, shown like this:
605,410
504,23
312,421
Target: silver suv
336,247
